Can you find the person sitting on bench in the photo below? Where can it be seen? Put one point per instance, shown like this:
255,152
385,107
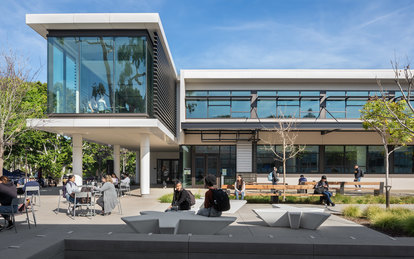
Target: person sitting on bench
323,188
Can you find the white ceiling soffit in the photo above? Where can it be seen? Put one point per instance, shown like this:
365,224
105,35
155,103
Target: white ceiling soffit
41,23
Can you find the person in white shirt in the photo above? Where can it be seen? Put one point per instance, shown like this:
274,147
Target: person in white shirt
71,188
126,181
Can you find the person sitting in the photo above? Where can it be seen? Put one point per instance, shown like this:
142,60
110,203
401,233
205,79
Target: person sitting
109,198
302,180
181,198
32,182
125,181
70,189
322,187
209,210
8,192
115,180
239,187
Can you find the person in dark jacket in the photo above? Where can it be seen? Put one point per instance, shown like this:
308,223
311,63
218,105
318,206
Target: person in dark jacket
358,175
209,210
181,198
8,192
322,187
275,176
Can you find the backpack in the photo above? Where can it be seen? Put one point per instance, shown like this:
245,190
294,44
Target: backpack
362,173
190,198
270,176
221,200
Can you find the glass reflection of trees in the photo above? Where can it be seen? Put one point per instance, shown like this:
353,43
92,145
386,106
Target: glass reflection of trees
130,75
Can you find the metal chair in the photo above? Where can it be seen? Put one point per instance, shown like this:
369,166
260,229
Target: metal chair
125,187
12,214
84,199
119,193
64,201
32,189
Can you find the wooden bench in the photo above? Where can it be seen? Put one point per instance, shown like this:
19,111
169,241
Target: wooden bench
340,187
256,190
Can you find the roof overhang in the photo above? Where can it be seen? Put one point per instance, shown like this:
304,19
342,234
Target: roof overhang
287,75
308,125
42,23
111,131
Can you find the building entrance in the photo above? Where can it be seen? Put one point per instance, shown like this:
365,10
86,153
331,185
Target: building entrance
167,169
205,164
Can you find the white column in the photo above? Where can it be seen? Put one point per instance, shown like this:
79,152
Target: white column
77,154
145,165
137,159
117,160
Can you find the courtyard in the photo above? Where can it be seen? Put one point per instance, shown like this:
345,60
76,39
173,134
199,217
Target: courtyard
57,235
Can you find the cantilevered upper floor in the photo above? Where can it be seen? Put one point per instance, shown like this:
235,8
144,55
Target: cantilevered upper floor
107,66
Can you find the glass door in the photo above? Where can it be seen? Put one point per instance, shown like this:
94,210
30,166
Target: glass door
204,164
168,169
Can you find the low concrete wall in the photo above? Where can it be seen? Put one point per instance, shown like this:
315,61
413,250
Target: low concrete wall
199,247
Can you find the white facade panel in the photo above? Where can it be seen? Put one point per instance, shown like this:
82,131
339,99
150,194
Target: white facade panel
244,158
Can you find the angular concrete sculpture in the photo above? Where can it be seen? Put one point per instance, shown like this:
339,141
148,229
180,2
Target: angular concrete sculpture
177,222
294,217
273,217
312,220
143,225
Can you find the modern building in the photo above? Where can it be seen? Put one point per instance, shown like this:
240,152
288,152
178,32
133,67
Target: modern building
112,80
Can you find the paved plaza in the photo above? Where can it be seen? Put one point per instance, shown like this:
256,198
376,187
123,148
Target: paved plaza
46,240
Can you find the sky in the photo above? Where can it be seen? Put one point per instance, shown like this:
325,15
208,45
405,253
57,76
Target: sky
258,34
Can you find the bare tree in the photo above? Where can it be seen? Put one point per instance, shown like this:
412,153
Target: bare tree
14,109
284,133
404,82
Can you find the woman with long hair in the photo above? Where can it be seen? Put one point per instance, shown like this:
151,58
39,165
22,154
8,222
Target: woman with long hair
109,198
239,187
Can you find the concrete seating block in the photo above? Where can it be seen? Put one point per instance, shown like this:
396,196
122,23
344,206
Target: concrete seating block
312,220
203,226
273,217
143,224
235,205
292,208
294,219
179,222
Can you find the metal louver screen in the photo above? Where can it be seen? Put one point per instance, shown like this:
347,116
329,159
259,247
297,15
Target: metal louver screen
244,158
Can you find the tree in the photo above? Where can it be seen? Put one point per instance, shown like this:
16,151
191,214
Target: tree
15,107
284,133
378,115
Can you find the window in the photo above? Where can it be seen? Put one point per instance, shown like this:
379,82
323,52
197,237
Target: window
98,74
334,159
218,104
376,159
305,162
403,160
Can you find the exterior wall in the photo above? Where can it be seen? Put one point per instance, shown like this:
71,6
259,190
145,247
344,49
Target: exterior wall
164,89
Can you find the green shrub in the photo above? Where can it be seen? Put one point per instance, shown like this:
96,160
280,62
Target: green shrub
401,212
387,221
352,211
166,198
395,200
408,225
346,200
371,211
257,199
407,199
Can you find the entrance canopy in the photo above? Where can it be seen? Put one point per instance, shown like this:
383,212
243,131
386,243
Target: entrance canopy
126,132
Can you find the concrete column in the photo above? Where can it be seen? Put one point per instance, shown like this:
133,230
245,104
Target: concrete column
77,154
117,160
145,165
137,159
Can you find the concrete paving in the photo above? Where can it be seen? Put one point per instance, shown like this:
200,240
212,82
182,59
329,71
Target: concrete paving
53,228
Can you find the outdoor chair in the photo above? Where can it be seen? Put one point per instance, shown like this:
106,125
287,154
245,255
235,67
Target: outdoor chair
33,189
83,199
60,197
125,187
16,202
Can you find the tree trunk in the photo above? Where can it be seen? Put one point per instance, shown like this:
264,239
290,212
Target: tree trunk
387,188
1,159
284,169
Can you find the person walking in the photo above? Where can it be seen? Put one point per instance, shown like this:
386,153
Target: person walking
239,187
358,174
275,176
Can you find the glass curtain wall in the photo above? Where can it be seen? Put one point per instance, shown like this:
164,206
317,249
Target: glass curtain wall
97,74
305,162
